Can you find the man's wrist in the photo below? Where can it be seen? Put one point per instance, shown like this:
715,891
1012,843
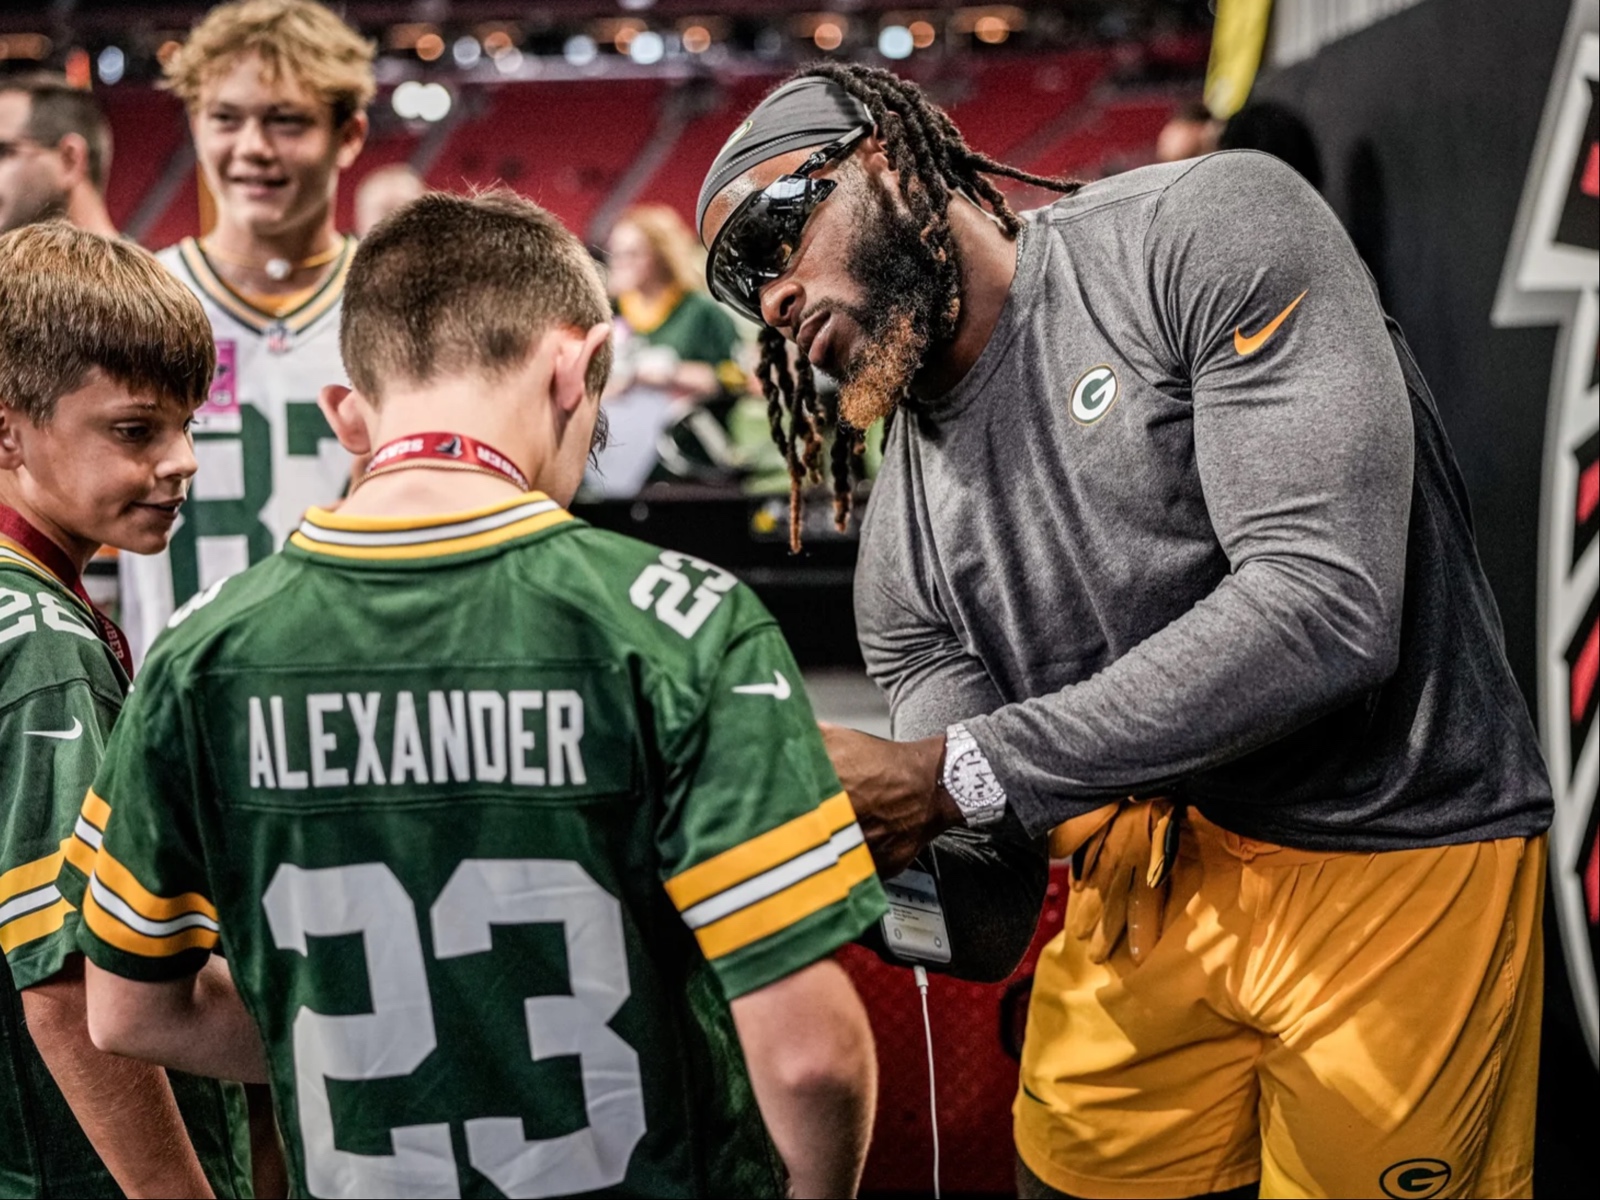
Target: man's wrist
966,777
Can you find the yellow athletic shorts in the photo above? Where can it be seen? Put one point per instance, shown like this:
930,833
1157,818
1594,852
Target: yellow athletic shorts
1334,1024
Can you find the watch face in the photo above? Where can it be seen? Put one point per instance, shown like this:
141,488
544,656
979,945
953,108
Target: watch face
972,779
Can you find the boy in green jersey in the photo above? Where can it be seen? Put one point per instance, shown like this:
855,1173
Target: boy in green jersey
103,357
519,835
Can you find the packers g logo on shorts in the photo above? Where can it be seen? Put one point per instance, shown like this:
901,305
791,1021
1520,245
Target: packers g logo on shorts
1415,1179
1094,394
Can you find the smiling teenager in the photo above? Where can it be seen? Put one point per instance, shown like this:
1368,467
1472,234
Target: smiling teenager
276,92
1168,549
103,359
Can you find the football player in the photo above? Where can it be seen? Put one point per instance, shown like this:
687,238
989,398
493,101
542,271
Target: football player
528,852
103,358
276,92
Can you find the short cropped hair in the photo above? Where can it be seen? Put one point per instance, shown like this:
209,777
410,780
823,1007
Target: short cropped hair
297,38
462,285
56,108
71,301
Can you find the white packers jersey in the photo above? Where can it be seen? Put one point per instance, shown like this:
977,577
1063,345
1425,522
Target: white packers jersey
264,449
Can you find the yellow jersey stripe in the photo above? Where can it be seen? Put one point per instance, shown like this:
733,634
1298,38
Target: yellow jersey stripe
458,545
323,518
259,319
146,903
792,905
114,933
29,876
11,552
33,926
760,853
79,853
95,810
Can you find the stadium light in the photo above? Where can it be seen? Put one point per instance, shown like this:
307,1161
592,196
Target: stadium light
405,101
923,34
111,63
697,39
991,29
580,50
434,101
429,47
828,35
509,61
467,50
895,41
647,48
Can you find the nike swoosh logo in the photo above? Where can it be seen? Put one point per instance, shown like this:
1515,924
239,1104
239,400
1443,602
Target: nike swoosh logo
778,689
1249,345
65,735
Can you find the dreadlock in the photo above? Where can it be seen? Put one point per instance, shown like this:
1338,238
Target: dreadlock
933,161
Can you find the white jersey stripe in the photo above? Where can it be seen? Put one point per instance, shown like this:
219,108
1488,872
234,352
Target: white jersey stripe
432,533
774,880
118,908
88,833
21,906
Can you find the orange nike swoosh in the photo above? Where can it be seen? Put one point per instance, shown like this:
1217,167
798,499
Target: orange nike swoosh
1249,345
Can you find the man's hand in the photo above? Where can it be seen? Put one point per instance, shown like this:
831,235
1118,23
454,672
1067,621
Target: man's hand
894,788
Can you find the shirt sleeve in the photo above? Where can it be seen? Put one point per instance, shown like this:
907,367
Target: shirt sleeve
147,913
53,740
991,887
760,849
1303,442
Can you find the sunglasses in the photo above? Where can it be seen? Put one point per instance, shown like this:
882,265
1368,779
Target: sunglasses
755,244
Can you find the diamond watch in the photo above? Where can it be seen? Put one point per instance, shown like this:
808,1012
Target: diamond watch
970,780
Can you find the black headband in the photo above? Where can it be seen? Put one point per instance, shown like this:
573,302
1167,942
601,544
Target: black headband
803,112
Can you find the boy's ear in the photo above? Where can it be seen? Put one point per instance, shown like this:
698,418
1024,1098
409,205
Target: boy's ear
352,137
346,410
574,353
10,443
74,154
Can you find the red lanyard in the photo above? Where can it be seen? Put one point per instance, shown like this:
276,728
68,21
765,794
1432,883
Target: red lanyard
454,450
16,527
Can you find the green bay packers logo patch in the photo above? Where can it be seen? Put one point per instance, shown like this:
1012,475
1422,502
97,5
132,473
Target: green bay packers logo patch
1416,1177
736,135
1094,394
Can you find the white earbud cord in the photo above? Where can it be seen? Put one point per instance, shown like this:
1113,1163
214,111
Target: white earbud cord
921,976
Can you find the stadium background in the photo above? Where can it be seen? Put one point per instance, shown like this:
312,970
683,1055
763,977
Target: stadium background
1439,125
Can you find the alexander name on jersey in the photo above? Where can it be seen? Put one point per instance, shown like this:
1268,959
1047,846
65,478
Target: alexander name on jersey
340,740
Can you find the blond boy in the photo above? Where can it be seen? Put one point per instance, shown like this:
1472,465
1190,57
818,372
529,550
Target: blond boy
103,358
276,92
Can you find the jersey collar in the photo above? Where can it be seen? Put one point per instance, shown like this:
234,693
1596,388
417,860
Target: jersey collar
321,299
399,538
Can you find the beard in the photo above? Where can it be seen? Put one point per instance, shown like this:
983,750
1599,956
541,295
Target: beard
902,296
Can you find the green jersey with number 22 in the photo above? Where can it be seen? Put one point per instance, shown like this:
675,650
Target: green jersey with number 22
264,449
495,813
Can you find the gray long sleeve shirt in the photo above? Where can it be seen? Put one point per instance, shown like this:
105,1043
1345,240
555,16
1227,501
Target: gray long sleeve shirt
1191,524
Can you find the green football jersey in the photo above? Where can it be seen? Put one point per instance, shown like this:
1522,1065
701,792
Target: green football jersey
493,814
60,689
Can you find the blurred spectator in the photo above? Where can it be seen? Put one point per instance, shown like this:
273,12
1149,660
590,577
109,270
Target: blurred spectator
383,191
676,377
55,154
1191,132
1271,127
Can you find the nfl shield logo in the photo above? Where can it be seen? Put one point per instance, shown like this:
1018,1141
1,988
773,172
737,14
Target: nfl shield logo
279,338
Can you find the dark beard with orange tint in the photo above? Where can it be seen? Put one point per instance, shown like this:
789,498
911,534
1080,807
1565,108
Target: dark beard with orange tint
901,294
